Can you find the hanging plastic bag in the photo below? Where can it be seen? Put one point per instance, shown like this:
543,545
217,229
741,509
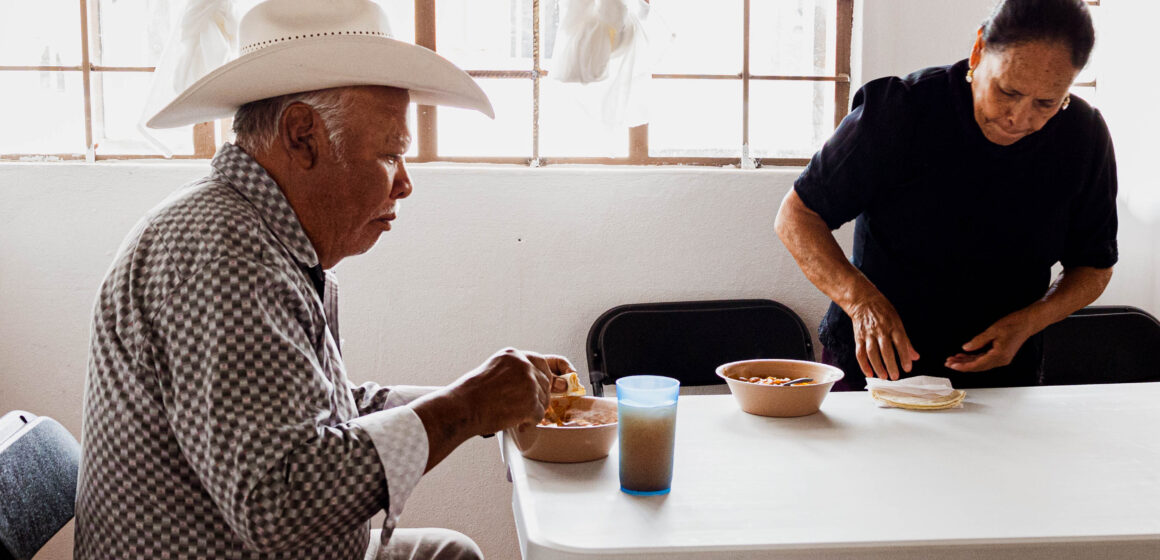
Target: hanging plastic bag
205,38
606,48
589,31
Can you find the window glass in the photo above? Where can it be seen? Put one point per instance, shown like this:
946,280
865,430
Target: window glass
792,38
707,37
115,131
464,132
789,119
485,34
50,115
134,32
40,33
571,124
695,118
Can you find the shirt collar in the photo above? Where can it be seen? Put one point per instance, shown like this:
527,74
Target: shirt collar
250,179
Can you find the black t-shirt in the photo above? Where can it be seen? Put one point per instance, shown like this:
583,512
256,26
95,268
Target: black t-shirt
954,230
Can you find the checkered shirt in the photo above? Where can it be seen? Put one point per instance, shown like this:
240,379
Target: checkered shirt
218,418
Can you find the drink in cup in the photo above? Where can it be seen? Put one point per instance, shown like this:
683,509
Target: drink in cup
647,421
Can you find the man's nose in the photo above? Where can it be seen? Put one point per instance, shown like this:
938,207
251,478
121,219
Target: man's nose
402,187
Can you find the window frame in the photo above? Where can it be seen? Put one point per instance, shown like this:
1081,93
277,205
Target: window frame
207,134
427,125
203,133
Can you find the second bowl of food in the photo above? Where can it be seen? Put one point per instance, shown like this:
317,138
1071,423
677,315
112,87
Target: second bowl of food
574,430
757,385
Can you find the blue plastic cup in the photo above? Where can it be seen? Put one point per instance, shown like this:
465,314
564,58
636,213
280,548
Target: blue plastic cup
646,408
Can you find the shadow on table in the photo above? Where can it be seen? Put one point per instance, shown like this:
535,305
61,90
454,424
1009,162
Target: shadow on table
819,424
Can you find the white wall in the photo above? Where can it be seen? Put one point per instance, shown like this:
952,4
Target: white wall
896,37
480,258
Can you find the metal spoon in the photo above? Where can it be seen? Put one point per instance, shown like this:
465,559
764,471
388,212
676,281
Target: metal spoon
798,380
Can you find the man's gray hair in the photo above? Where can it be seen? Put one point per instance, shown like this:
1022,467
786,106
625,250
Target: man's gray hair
256,122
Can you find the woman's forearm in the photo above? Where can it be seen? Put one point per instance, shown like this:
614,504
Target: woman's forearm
818,254
1074,289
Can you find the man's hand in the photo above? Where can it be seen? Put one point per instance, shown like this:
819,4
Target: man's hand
880,338
995,346
509,389
556,366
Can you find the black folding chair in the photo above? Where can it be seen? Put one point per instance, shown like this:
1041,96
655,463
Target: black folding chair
39,459
1102,344
688,340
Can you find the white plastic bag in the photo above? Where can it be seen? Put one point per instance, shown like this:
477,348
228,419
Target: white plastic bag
606,48
205,38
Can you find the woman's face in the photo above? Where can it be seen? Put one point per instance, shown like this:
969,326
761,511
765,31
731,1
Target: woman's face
1019,88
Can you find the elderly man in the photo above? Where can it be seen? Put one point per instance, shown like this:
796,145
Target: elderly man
219,419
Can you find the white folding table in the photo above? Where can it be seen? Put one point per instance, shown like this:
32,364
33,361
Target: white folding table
1034,472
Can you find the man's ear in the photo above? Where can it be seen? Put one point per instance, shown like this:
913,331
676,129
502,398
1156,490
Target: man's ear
299,132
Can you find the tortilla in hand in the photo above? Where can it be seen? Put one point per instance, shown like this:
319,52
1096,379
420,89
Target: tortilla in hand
573,388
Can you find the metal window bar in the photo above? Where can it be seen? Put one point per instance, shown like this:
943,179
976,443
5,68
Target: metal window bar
89,12
204,135
425,35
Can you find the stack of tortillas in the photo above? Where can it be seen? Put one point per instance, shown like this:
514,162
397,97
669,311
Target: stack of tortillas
916,393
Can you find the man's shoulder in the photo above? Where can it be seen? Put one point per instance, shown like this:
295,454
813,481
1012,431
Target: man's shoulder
203,222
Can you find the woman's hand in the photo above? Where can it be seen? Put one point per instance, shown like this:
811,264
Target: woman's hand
995,346
881,340
880,337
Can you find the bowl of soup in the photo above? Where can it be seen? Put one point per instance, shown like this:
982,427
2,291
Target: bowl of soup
573,430
779,388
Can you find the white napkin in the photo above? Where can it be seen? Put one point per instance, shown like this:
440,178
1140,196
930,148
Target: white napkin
923,387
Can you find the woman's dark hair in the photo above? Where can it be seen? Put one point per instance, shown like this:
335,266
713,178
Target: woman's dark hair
1019,21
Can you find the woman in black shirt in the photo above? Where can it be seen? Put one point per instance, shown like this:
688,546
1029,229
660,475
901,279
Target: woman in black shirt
968,183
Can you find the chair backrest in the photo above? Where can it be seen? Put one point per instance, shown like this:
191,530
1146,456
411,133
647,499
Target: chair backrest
688,340
1102,344
39,459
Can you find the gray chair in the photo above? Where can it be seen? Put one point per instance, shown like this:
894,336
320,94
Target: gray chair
39,460
687,340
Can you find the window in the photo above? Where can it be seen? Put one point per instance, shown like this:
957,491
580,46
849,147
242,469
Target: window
79,71
742,82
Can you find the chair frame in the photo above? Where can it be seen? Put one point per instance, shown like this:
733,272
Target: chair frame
1048,377
597,377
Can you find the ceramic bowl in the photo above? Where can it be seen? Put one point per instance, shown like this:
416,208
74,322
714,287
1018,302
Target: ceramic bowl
779,401
571,444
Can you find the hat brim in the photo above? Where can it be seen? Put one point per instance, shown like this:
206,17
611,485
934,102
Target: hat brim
319,63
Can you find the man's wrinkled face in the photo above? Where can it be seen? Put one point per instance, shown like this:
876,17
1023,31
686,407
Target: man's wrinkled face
369,177
1019,88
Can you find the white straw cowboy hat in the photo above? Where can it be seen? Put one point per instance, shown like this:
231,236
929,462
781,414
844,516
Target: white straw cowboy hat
291,46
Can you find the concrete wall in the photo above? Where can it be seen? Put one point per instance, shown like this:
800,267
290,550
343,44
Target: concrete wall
481,257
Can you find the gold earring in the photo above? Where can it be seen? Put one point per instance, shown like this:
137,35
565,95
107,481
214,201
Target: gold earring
970,74
1066,102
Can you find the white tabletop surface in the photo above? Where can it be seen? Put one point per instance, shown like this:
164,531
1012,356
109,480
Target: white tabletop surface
1035,472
